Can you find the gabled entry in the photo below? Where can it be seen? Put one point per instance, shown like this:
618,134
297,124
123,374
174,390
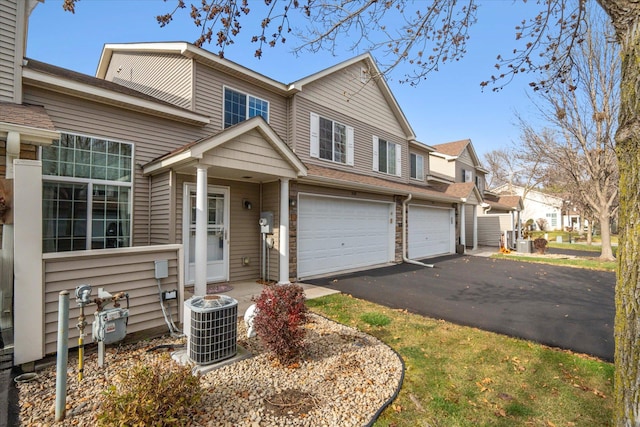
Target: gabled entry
217,233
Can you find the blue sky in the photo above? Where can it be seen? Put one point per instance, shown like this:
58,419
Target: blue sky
448,106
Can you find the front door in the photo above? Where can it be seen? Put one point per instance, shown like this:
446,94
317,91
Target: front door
217,233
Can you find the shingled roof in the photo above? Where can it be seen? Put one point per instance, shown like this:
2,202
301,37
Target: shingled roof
33,116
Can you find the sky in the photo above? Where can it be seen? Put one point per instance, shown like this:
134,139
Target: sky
448,106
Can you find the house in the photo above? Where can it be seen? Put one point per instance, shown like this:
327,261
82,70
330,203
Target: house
538,206
173,154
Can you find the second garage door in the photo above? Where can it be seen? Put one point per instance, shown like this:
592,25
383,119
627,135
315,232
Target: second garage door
431,231
337,234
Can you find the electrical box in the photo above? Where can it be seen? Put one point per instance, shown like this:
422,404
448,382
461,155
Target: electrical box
110,325
162,269
266,222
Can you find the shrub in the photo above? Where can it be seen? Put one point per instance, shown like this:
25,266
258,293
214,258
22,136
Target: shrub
540,245
280,317
160,394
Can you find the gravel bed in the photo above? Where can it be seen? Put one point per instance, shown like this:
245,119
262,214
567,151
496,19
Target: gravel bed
345,378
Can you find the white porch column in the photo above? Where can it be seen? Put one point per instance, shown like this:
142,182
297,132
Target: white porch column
513,229
200,286
463,231
475,227
29,292
283,248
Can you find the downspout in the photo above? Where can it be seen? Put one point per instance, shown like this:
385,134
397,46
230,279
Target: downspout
404,235
486,207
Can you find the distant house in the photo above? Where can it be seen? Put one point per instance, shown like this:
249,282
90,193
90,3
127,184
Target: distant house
537,206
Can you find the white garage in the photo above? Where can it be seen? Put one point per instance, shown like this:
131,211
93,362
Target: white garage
431,231
337,234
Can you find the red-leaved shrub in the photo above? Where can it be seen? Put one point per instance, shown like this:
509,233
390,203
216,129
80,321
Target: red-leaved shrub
280,318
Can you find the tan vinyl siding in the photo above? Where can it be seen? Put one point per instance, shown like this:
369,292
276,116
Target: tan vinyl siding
442,166
363,141
248,152
209,86
8,49
164,76
468,224
343,92
160,209
271,203
465,157
115,270
151,136
244,234
490,227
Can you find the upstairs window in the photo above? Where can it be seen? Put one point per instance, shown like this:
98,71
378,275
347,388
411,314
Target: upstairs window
239,107
467,175
330,140
86,194
417,166
386,157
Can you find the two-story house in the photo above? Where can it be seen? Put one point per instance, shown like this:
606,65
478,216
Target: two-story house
173,154
486,219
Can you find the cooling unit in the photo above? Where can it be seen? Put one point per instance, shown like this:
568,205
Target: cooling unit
211,324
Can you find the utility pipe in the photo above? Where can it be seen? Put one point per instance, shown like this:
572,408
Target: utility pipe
63,354
404,236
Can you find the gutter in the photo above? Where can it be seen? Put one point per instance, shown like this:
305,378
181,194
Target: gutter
404,235
486,207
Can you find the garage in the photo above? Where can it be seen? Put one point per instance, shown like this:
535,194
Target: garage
431,231
337,234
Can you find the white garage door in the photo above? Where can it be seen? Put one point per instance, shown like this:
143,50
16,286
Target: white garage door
338,234
431,231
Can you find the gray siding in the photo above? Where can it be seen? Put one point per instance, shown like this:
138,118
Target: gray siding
209,86
165,76
271,203
468,224
344,93
244,234
115,270
363,141
160,209
151,136
490,227
9,49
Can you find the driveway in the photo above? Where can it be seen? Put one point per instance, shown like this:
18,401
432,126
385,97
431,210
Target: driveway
561,307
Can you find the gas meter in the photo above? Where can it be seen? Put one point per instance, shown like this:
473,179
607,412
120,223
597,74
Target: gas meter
110,325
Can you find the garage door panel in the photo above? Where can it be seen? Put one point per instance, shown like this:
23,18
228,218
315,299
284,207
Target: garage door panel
338,234
431,231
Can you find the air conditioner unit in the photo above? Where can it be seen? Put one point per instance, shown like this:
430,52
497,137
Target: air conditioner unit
211,326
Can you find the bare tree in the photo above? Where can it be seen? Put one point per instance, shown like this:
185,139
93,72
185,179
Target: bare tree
436,32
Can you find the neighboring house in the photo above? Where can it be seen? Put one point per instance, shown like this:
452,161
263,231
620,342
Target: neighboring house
171,153
537,206
457,165
499,221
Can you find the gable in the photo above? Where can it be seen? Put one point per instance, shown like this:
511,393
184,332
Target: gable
344,92
165,76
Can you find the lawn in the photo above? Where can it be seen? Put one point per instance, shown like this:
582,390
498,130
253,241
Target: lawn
460,376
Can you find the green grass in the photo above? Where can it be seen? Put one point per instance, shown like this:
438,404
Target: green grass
375,319
460,376
591,264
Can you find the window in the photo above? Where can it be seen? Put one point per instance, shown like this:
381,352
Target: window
86,194
467,175
239,107
480,183
552,219
386,156
417,166
331,140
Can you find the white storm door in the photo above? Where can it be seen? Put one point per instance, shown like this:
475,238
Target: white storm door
217,233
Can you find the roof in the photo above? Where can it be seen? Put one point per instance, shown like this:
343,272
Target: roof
338,178
32,122
454,148
504,202
28,115
41,74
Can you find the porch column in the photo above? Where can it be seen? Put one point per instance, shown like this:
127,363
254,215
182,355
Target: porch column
284,232
200,286
475,227
463,231
513,229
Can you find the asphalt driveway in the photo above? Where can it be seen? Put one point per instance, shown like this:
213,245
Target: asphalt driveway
558,306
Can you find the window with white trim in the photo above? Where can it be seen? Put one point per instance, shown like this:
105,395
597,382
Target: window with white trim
387,157
552,219
467,175
239,107
330,140
417,166
87,188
